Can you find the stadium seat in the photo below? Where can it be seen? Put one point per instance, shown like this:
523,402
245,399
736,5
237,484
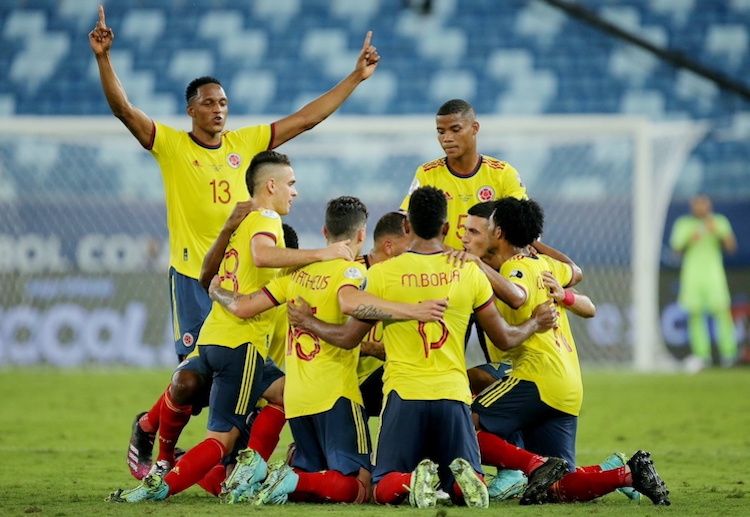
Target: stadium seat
452,84
679,12
189,64
220,24
447,46
740,6
728,41
37,62
7,105
698,90
243,48
321,43
275,13
357,14
649,103
540,21
625,17
143,26
24,24
504,64
632,65
251,90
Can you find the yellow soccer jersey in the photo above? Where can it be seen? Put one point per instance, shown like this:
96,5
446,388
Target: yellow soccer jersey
548,358
201,186
277,349
240,275
368,364
425,361
318,373
492,179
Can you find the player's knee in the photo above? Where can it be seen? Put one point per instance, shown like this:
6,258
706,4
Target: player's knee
275,392
185,387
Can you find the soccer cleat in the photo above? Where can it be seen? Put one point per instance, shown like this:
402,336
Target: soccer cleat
646,480
139,450
423,485
507,485
152,488
249,472
160,468
473,488
281,482
617,460
542,478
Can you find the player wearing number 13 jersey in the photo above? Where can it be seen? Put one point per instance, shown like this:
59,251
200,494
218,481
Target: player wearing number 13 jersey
465,176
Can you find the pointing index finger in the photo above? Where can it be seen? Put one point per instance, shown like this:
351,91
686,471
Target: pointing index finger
102,22
368,38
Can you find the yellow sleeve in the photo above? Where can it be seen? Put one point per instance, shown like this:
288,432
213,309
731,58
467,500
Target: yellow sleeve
483,293
513,186
257,138
374,281
353,276
518,273
278,288
267,222
562,272
415,184
164,139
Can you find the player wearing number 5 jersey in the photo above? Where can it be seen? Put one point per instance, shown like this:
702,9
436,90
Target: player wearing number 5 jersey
465,176
426,413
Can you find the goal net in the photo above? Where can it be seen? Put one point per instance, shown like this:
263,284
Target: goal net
83,249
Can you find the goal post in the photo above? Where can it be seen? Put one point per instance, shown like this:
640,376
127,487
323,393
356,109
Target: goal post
83,237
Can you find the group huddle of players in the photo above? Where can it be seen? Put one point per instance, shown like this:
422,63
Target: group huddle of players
378,335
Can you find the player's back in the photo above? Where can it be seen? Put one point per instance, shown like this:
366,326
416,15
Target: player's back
425,361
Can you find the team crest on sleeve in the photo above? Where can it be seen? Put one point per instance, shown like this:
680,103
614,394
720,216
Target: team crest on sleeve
516,274
269,213
486,193
353,273
234,160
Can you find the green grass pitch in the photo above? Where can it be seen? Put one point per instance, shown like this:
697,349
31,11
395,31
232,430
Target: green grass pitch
63,437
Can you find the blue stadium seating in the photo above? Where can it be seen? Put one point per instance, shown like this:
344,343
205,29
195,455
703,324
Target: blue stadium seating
514,57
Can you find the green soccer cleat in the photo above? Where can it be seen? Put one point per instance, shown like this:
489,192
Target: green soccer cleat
152,488
473,488
542,478
507,485
617,460
249,472
281,482
423,486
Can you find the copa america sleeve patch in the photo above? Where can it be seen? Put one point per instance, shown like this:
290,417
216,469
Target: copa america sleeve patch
516,274
269,213
353,273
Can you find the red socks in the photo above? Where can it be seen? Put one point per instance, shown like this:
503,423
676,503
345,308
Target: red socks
585,486
329,486
211,482
264,434
150,421
393,488
172,420
497,452
194,465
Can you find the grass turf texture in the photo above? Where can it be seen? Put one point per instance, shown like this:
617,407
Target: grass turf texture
63,437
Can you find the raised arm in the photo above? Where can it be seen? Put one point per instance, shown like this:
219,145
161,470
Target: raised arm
505,336
213,258
365,306
346,336
562,257
319,109
139,124
579,304
241,305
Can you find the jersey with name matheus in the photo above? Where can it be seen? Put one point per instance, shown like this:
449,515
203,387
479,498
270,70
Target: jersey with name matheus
239,274
491,179
318,373
202,185
547,358
425,361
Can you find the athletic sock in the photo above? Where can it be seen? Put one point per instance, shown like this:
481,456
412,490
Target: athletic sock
590,468
173,419
194,465
497,452
150,421
585,486
329,486
265,431
393,488
211,482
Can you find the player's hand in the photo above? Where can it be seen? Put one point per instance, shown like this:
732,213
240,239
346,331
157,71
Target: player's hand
430,310
545,315
239,213
460,257
372,349
337,250
368,59
214,286
102,36
298,312
556,291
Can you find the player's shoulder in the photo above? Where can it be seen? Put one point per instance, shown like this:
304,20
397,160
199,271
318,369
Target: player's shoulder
264,216
496,164
433,165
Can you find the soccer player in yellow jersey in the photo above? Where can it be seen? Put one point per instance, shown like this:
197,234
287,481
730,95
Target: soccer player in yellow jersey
541,397
426,413
203,173
322,398
465,176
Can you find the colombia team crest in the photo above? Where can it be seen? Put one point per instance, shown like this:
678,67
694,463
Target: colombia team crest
234,160
486,193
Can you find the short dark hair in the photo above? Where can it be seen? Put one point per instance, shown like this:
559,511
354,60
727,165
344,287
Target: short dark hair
192,87
391,223
428,211
483,209
291,240
455,106
345,215
257,163
521,220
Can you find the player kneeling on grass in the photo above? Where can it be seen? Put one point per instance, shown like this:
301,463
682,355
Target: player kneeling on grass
427,437
323,403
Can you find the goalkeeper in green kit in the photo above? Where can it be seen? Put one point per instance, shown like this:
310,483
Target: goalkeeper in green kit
700,237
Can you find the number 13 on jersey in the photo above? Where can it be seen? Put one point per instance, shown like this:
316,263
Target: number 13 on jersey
220,192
